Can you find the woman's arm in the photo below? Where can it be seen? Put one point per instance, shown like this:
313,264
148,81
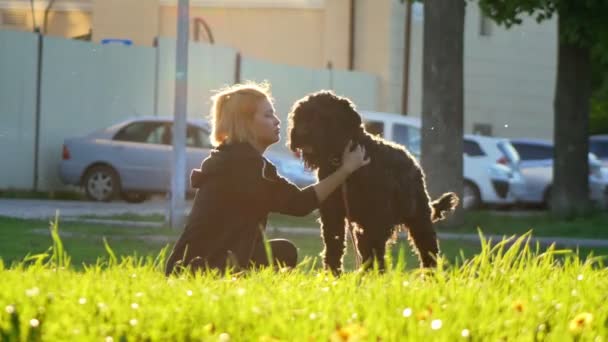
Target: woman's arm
351,162
289,199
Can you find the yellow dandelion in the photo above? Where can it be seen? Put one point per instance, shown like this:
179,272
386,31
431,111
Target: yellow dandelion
424,315
579,322
209,328
350,333
519,305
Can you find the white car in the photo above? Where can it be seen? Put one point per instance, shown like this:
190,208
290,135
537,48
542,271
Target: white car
537,168
491,172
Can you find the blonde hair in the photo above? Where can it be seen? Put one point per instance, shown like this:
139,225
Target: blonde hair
233,109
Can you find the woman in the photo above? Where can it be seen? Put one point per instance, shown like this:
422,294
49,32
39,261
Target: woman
237,187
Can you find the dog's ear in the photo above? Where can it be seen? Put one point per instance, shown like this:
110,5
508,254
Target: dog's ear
352,120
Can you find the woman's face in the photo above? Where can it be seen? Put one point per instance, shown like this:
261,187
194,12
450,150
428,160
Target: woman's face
266,125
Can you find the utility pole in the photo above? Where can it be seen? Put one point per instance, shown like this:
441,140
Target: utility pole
178,162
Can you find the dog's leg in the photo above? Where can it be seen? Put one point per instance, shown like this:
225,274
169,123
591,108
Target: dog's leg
332,228
372,245
423,239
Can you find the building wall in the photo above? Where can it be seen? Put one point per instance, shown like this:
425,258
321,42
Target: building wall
509,75
64,20
372,43
137,20
279,35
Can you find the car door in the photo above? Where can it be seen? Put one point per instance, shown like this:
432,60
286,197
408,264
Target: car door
142,154
536,166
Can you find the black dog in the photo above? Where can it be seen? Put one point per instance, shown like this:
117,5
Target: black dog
388,193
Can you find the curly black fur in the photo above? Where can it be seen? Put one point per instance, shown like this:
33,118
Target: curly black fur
388,193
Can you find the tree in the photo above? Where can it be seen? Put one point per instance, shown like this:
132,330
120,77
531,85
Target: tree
442,96
582,25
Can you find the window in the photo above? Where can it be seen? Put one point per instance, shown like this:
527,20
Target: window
472,149
509,151
197,137
407,136
144,132
375,128
599,148
533,152
12,18
485,25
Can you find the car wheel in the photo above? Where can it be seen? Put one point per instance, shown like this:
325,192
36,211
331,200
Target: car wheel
471,199
101,183
134,197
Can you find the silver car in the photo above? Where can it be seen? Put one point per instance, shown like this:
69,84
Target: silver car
132,159
537,168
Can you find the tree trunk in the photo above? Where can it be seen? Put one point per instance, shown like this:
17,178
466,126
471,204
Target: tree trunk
570,191
442,98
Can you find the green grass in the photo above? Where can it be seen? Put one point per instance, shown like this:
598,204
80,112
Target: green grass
84,241
492,222
541,223
500,293
56,195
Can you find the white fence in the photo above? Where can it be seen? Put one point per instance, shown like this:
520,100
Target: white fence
86,86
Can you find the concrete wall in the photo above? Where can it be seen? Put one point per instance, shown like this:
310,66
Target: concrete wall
17,108
85,87
210,67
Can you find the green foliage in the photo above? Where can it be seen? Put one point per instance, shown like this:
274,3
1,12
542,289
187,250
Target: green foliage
598,120
583,22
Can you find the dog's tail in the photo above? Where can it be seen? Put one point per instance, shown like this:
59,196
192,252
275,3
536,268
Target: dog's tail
444,205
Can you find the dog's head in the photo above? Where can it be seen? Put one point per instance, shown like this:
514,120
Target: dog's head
320,126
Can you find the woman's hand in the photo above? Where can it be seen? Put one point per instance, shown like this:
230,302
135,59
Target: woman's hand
353,160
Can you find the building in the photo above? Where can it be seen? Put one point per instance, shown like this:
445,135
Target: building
509,74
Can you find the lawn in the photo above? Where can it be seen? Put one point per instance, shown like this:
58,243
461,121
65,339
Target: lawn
500,294
84,241
491,222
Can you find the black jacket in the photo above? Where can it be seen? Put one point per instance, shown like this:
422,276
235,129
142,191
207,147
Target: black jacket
236,189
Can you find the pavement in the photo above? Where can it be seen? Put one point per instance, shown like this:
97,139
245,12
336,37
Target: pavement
74,210
44,209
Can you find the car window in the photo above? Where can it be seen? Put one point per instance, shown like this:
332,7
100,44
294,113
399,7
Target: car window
407,136
533,152
197,137
472,148
599,148
143,132
509,151
375,127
